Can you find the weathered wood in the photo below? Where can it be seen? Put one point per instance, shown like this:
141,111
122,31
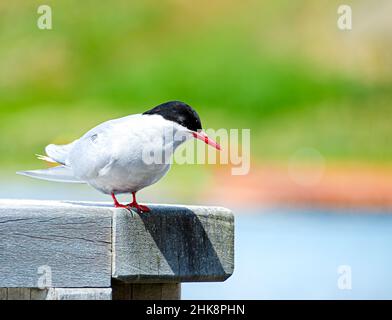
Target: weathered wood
84,246
38,294
18,294
3,293
171,291
56,294
79,294
22,294
67,243
146,291
121,290
173,244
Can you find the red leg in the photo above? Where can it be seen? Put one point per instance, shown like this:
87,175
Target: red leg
137,206
117,204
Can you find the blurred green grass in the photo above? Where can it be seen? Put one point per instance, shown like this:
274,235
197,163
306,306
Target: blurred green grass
240,65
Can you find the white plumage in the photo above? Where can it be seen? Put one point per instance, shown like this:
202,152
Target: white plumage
127,154
109,157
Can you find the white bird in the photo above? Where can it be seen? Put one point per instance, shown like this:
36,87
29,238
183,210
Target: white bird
127,154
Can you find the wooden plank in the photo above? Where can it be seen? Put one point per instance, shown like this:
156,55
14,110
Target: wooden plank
151,291
18,294
69,245
3,293
173,244
56,294
79,294
121,290
146,291
171,291
60,244
38,294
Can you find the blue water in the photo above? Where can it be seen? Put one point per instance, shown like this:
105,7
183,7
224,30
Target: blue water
295,254
282,253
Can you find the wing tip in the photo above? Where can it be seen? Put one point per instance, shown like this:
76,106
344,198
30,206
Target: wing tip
57,174
26,173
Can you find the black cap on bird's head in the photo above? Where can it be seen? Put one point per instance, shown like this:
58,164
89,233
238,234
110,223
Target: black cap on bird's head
178,112
184,115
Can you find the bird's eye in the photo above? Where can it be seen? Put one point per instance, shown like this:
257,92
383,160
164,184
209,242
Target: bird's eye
94,137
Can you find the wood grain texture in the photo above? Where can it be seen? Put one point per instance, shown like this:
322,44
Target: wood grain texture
38,294
3,293
171,291
56,294
85,245
71,242
18,294
21,294
79,294
173,244
146,291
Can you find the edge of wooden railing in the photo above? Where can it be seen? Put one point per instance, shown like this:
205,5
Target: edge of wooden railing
71,244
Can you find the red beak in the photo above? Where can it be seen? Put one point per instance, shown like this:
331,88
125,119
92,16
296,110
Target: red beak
203,137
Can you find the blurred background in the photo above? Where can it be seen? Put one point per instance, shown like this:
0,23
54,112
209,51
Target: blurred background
317,99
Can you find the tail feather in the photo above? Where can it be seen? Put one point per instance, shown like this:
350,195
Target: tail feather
45,158
58,174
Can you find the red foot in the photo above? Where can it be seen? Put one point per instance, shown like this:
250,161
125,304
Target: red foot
133,204
139,207
119,205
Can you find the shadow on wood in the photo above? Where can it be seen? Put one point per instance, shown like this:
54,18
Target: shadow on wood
185,244
174,244
80,249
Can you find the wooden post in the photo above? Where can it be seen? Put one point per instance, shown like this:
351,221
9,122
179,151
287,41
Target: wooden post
81,250
145,291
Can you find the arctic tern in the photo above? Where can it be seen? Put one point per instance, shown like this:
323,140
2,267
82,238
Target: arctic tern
112,156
